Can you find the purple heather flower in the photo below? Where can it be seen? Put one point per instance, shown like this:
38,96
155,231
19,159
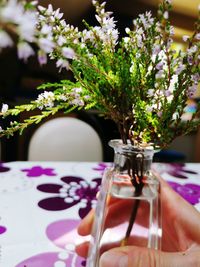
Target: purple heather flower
156,49
42,57
62,63
197,36
24,51
192,50
5,40
186,38
192,90
159,66
159,74
179,69
190,60
68,53
46,44
72,191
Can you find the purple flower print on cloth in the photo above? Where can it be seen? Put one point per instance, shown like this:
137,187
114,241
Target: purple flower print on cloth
101,167
190,192
2,229
178,170
62,234
72,191
3,168
37,171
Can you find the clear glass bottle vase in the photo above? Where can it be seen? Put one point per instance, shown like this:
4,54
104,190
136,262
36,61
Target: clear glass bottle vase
128,210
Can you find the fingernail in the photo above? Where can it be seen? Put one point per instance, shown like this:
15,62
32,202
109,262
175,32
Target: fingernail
113,259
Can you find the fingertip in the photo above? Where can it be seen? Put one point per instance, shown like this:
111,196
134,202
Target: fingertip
82,249
85,225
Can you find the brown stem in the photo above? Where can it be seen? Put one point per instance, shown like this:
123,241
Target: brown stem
137,181
131,221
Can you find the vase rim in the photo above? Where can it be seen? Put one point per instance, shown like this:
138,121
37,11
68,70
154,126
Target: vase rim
118,145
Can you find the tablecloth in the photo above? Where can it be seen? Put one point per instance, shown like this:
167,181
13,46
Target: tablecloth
42,203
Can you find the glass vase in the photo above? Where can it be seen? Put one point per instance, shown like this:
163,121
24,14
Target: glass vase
128,209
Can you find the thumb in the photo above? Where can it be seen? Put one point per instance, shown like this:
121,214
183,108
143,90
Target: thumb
142,257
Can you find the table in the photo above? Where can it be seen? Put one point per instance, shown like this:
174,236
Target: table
42,203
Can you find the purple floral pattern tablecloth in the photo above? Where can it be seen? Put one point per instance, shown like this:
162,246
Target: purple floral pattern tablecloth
42,203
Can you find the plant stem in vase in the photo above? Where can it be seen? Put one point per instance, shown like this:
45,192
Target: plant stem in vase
128,209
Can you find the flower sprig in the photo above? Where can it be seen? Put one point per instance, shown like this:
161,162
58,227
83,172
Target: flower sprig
139,81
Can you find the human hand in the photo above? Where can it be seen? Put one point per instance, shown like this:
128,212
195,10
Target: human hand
180,240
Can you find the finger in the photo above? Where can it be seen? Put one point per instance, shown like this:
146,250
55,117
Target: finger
85,226
82,249
143,257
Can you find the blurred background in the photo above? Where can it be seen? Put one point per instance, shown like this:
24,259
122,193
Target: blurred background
18,81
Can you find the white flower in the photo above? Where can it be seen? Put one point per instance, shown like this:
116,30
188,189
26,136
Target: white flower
179,69
61,63
185,38
149,108
57,14
156,49
61,40
160,74
159,66
150,92
166,15
167,93
196,77
68,53
46,29
45,99
192,50
173,82
27,25
197,36
63,97
46,45
5,40
109,23
126,40
24,51
49,10
11,12
77,102
77,90
4,108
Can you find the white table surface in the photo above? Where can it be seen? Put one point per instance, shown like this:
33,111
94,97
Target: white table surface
42,203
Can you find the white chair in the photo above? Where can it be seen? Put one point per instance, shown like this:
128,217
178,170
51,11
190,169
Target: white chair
65,139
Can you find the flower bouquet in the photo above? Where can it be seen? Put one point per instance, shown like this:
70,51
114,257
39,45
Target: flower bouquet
139,81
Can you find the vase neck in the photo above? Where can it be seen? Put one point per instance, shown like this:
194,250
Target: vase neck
131,160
